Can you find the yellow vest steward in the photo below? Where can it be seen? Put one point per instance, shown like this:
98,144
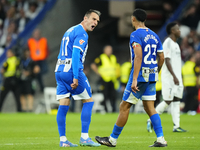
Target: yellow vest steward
125,72
12,63
189,77
159,83
109,70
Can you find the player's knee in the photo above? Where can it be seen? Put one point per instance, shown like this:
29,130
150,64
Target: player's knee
124,106
64,101
88,100
150,110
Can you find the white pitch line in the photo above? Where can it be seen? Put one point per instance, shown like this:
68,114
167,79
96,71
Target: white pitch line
20,144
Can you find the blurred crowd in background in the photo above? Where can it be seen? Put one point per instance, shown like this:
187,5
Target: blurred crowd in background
16,14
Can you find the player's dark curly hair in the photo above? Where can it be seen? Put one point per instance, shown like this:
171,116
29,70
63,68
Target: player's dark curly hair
170,26
140,14
94,11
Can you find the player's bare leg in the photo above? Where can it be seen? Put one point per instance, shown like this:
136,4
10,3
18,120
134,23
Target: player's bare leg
118,127
155,119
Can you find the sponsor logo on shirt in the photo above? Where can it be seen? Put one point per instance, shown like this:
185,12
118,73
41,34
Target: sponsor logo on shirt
81,41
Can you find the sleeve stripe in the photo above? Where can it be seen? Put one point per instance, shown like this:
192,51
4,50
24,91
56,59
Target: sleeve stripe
78,48
160,50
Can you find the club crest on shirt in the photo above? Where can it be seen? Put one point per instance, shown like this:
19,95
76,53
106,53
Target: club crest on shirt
81,41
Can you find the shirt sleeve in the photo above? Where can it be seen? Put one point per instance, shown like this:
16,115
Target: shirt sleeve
80,42
167,49
135,38
75,63
159,46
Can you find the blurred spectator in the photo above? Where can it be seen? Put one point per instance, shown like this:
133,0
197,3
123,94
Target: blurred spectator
9,40
158,90
186,49
10,72
1,28
21,4
2,13
197,42
197,4
38,47
191,17
10,17
197,72
33,10
197,69
28,71
189,82
124,74
22,21
168,8
6,5
8,35
106,67
41,4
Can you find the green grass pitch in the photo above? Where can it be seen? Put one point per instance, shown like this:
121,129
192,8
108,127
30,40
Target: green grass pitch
26,131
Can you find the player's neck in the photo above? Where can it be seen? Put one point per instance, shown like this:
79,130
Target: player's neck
173,37
83,25
140,25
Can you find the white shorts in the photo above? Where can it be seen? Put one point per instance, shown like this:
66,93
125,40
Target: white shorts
169,92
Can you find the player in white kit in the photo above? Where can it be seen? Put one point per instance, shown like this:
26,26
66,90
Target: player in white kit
172,84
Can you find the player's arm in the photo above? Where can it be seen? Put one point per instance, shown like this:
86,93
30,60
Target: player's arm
137,65
160,55
75,66
169,67
160,60
4,68
94,65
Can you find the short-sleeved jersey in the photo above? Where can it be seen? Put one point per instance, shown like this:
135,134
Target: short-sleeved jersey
151,44
172,51
76,37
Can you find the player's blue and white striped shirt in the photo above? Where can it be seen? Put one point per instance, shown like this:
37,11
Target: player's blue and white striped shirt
76,37
150,44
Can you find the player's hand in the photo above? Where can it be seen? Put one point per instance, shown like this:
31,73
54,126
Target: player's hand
134,86
176,82
74,84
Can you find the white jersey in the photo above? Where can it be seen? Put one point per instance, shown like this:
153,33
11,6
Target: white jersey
171,50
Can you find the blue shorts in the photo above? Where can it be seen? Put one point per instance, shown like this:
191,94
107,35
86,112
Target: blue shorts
65,79
147,92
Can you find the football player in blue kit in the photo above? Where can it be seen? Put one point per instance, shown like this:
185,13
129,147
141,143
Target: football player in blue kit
145,46
71,81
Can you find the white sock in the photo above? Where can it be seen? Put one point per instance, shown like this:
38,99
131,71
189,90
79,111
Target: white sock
84,135
161,140
113,140
63,138
161,107
175,112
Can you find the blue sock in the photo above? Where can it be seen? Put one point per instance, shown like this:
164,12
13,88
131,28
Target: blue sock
61,119
155,119
86,116
116,131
